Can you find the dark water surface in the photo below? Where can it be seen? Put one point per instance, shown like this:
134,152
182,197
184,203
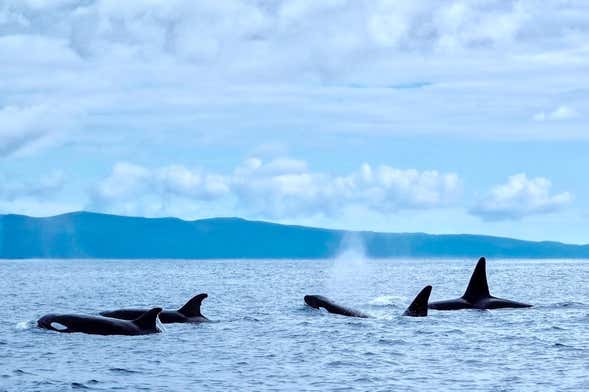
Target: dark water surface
266,339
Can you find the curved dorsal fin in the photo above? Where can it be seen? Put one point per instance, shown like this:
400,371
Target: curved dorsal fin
418,307
192,307
148,319
477,287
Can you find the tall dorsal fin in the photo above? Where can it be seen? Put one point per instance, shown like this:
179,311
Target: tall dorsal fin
418,307
147,321
477,287
192,307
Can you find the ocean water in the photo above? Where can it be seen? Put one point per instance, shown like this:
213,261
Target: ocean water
266,339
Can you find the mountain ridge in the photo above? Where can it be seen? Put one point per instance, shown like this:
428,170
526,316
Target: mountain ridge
84,234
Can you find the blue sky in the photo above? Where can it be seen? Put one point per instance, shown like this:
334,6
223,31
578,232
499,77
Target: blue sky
441,117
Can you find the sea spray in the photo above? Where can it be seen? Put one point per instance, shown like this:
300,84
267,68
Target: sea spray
350,271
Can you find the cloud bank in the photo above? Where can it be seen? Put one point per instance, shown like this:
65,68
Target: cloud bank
278,188
520,197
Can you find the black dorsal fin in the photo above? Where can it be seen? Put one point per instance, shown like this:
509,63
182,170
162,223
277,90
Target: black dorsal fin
478,287
192,307
418,307
147,321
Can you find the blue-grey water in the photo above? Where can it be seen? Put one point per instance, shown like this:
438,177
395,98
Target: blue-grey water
266,339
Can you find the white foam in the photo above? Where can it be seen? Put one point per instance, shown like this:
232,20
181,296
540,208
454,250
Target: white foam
387,300
24,325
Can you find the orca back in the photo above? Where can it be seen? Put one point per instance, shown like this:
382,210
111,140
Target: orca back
319,301
477,295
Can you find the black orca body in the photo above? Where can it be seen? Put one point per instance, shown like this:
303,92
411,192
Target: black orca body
418,307
319,301
145,324
477,295
189,313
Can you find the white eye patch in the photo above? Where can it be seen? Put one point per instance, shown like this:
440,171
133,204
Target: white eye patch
58,326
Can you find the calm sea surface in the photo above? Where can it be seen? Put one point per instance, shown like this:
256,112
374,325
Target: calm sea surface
266,339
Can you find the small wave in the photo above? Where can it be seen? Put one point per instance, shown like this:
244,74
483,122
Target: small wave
236,320
425,332
454,332
566,347
566,304
20,372
364,379
392,342
123,370
79,385
249,318
338,363
555,328
474,362
355,322
45,385
570,303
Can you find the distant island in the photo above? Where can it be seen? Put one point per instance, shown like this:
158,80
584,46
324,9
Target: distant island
93,235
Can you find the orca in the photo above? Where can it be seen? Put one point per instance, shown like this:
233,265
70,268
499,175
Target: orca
146,323
189,313
319,301
477,295
418,307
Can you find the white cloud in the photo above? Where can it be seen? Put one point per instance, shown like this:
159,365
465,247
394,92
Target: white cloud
133,189
212,31
293,190
28,127
559,114
279,188
520,197
125,182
